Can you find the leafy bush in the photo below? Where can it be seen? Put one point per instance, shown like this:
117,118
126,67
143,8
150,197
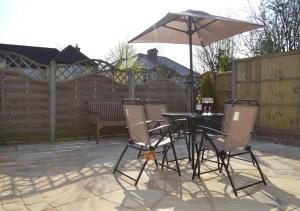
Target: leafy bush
207,89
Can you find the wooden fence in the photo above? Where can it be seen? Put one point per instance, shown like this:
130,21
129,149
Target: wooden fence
223,87
24,111
24,107
24,102
274,81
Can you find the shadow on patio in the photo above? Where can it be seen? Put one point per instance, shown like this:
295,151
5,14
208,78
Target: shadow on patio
78,176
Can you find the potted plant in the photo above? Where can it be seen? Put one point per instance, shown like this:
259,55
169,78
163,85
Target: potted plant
207,90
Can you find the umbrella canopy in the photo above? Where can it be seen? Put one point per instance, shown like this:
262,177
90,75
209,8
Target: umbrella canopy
193,28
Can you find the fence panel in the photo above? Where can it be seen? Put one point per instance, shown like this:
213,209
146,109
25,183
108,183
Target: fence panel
24,103
167,91
72,98
223,87
24,109
274,81
25,95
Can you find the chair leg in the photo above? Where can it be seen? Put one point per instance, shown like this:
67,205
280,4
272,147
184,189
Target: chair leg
175,157
248,148
156,163
120,158
219,164
257,165
165,151
141,171
223,158
198,157
202,157
188,145
228,157
140,152
222,163
198,151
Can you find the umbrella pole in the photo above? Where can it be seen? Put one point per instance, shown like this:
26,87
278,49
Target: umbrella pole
191,82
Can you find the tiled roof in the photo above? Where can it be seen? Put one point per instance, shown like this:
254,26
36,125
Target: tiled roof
147,63
38,54
44,55
69,55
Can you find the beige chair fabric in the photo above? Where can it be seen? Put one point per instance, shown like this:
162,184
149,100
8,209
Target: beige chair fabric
228,107
153,112
241,126
139,139
136,122
240,122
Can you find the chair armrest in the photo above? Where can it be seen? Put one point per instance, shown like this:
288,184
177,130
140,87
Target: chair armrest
151,121
180,120
211,130
159,128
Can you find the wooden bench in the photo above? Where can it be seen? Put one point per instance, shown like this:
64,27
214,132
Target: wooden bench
104,114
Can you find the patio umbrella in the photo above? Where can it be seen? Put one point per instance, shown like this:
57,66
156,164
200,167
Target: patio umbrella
193,28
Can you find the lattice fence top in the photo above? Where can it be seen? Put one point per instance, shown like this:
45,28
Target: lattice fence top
85,67
16,62
19,63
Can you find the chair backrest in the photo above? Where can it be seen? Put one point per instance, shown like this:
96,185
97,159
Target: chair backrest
136,123
227,116
241,124
228,108
153,112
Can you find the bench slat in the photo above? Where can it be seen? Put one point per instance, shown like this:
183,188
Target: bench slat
107,114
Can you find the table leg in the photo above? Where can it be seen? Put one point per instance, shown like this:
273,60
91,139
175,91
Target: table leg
193,133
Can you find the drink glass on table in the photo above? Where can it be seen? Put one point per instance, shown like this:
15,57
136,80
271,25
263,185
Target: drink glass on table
204,105
210,102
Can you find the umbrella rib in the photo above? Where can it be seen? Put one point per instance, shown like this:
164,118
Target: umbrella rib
174,29
197,30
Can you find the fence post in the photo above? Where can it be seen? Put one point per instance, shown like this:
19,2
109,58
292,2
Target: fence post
52,101
298,128
233,80
131,84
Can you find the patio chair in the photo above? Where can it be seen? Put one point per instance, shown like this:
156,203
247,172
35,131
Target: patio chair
228,105
154,108
235,142
140,139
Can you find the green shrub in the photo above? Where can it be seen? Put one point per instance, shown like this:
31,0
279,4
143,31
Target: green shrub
207,89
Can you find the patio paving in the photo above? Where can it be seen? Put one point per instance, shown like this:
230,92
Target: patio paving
78,176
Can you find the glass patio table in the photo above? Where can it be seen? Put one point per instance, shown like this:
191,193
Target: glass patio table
193,119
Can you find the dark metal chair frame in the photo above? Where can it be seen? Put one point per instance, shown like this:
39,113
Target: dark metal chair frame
178,125
143,149
223,156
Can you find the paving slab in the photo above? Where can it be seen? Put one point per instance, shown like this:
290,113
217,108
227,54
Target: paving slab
79,176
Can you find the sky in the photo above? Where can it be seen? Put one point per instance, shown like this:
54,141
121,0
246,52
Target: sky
97,26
